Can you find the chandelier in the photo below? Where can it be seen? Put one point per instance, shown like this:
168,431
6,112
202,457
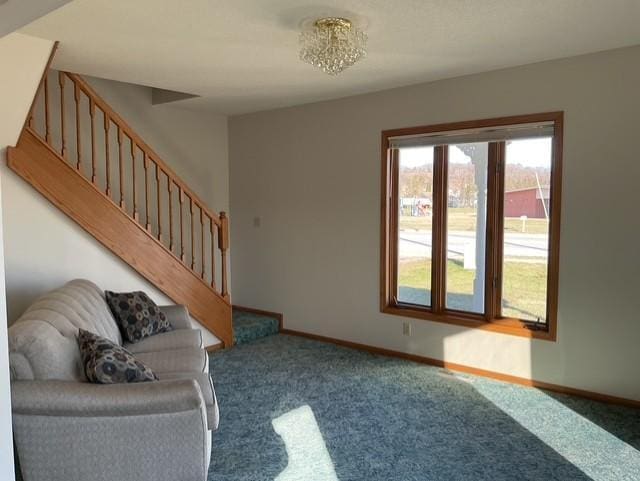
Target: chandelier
332,45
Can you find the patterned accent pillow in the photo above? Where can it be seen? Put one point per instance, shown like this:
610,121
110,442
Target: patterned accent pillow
137,315
105,362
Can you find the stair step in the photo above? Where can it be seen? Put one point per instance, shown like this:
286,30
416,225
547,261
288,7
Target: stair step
248,326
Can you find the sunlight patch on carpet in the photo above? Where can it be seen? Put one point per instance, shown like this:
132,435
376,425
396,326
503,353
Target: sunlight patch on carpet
309,458
596,452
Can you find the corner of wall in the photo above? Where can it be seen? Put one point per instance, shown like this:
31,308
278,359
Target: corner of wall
24,59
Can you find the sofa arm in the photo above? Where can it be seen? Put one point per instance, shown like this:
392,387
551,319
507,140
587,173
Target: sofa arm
177,315
70,431
83,399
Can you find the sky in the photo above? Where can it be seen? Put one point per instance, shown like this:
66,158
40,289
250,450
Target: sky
526,152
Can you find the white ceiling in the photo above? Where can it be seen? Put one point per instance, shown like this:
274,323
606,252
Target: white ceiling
17,13
242,55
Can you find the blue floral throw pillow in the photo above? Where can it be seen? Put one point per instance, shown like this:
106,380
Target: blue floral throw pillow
137,315
106,362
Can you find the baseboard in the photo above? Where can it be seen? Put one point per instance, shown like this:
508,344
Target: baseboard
214,347
595,396
260,312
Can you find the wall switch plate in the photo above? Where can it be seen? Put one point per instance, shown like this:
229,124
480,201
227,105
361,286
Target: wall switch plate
256,222
406,328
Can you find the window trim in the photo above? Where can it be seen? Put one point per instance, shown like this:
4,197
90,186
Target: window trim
495,208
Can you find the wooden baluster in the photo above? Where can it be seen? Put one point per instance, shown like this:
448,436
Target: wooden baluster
223,244
193,237
39,98
63,150
120,162
170,189
182,254
76,91
107,125
47,120
202,241
33,107
213,255
158,172
92,113
136,214
146,189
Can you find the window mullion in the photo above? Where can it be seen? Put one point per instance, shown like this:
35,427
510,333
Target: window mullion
439,243
500,226
491,234
495,232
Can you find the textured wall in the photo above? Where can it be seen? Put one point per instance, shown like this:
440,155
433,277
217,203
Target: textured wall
312,175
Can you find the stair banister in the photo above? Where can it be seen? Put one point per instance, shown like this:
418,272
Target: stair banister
85,113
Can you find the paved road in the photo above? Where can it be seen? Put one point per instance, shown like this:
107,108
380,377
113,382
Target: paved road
418,244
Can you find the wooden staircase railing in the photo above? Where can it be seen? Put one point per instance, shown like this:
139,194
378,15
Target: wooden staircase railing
85,133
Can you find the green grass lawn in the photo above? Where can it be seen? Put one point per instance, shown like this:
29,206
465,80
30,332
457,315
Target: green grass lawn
524,289
464,219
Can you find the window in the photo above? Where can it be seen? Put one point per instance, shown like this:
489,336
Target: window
471,221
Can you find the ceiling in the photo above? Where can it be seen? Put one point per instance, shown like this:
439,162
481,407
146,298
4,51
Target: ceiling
17,13
242,55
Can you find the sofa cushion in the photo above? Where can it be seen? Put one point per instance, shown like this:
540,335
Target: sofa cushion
190,359
208,393
178,316
137,315
77,304
107,363
167,341
42,342
93,297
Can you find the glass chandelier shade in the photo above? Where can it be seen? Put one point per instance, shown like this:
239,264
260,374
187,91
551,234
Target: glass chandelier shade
332,45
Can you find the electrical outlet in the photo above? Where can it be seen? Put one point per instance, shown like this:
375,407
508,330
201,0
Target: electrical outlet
406,328
256,222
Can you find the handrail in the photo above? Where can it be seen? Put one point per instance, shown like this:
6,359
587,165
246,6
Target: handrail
160,181
129,132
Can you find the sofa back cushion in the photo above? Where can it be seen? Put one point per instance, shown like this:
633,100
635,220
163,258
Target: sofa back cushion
42,342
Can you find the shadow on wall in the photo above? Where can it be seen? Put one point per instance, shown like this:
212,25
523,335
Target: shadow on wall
20,297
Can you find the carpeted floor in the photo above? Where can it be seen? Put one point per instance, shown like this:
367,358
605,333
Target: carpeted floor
293,409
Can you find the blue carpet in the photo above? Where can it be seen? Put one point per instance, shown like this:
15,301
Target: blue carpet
248,327
293,409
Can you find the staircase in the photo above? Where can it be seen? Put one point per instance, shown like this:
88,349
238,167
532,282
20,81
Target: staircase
84,158
252,324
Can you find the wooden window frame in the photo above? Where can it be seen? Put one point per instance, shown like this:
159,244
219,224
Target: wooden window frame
438,312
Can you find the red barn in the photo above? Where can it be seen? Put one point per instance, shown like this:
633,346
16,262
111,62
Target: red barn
530,202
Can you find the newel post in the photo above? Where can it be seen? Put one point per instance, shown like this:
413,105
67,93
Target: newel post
223,245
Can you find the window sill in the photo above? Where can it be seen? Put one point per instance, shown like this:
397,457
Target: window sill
513,327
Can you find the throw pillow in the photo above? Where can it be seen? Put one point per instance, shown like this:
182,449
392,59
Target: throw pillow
137,315
106,362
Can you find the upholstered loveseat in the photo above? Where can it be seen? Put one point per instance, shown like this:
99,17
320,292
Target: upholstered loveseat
66,428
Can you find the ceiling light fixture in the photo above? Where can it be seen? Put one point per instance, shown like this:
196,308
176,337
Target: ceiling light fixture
332,44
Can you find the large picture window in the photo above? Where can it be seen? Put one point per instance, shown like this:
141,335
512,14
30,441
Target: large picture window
471,223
